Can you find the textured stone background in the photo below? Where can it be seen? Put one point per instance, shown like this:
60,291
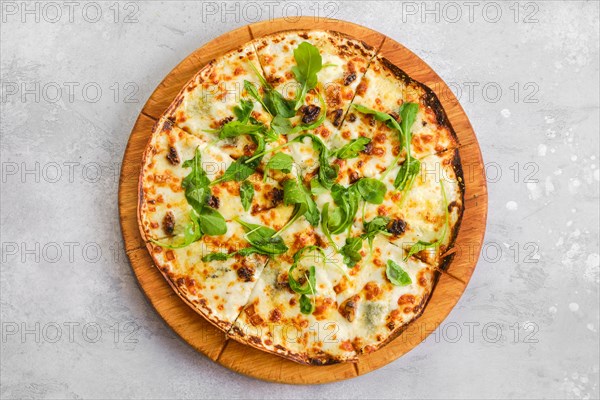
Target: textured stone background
534,104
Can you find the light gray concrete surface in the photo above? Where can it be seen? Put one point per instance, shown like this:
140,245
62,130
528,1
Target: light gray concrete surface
76,325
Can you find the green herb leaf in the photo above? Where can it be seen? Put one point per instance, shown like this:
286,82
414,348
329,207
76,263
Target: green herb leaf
217,257
243,110
197,192
237,171
279,105
316,188
196,183
346,200
253,91
379,116
246,194
373,227
272,101
212,222
246,251
238,128
308,63
281,125
262,238
306,305
407,174
411,166
191,233
294,192
351,251
397,275
309,284
408,115
327,173
352,149
372,190
281,162
325,226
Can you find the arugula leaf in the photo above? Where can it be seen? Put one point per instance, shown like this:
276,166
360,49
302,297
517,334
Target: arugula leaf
325,226
351,251
407,174
372,190
263,238
238,128
197,192
270,135
280,162
294,192
379,116
196,183
243,110
217,256
373,227
246,251
212,222
272,101
397,275
351,150
327,173
308,287
346,200
191,233
308,63
281,125
253,91
246,194
316,188
278,105
239,170
421,245
310,284
412,166
408,114
306,305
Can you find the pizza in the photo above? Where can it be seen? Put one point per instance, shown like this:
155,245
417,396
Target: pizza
302,193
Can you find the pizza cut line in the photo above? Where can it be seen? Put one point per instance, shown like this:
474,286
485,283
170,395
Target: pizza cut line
301,193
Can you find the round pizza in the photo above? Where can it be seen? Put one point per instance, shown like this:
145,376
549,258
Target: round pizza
302,194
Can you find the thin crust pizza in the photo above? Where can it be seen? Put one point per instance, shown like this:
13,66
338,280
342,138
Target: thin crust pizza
302,194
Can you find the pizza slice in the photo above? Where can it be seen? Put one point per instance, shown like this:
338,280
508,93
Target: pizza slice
216,287
422,217
382,294
317,74
385,88
292,310
164,210
216,107
387,104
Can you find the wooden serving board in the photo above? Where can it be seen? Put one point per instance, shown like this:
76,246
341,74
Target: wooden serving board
212,342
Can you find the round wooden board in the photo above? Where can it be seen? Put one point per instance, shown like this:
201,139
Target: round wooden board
212,342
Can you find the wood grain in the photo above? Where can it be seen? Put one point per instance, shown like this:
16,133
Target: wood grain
212,342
